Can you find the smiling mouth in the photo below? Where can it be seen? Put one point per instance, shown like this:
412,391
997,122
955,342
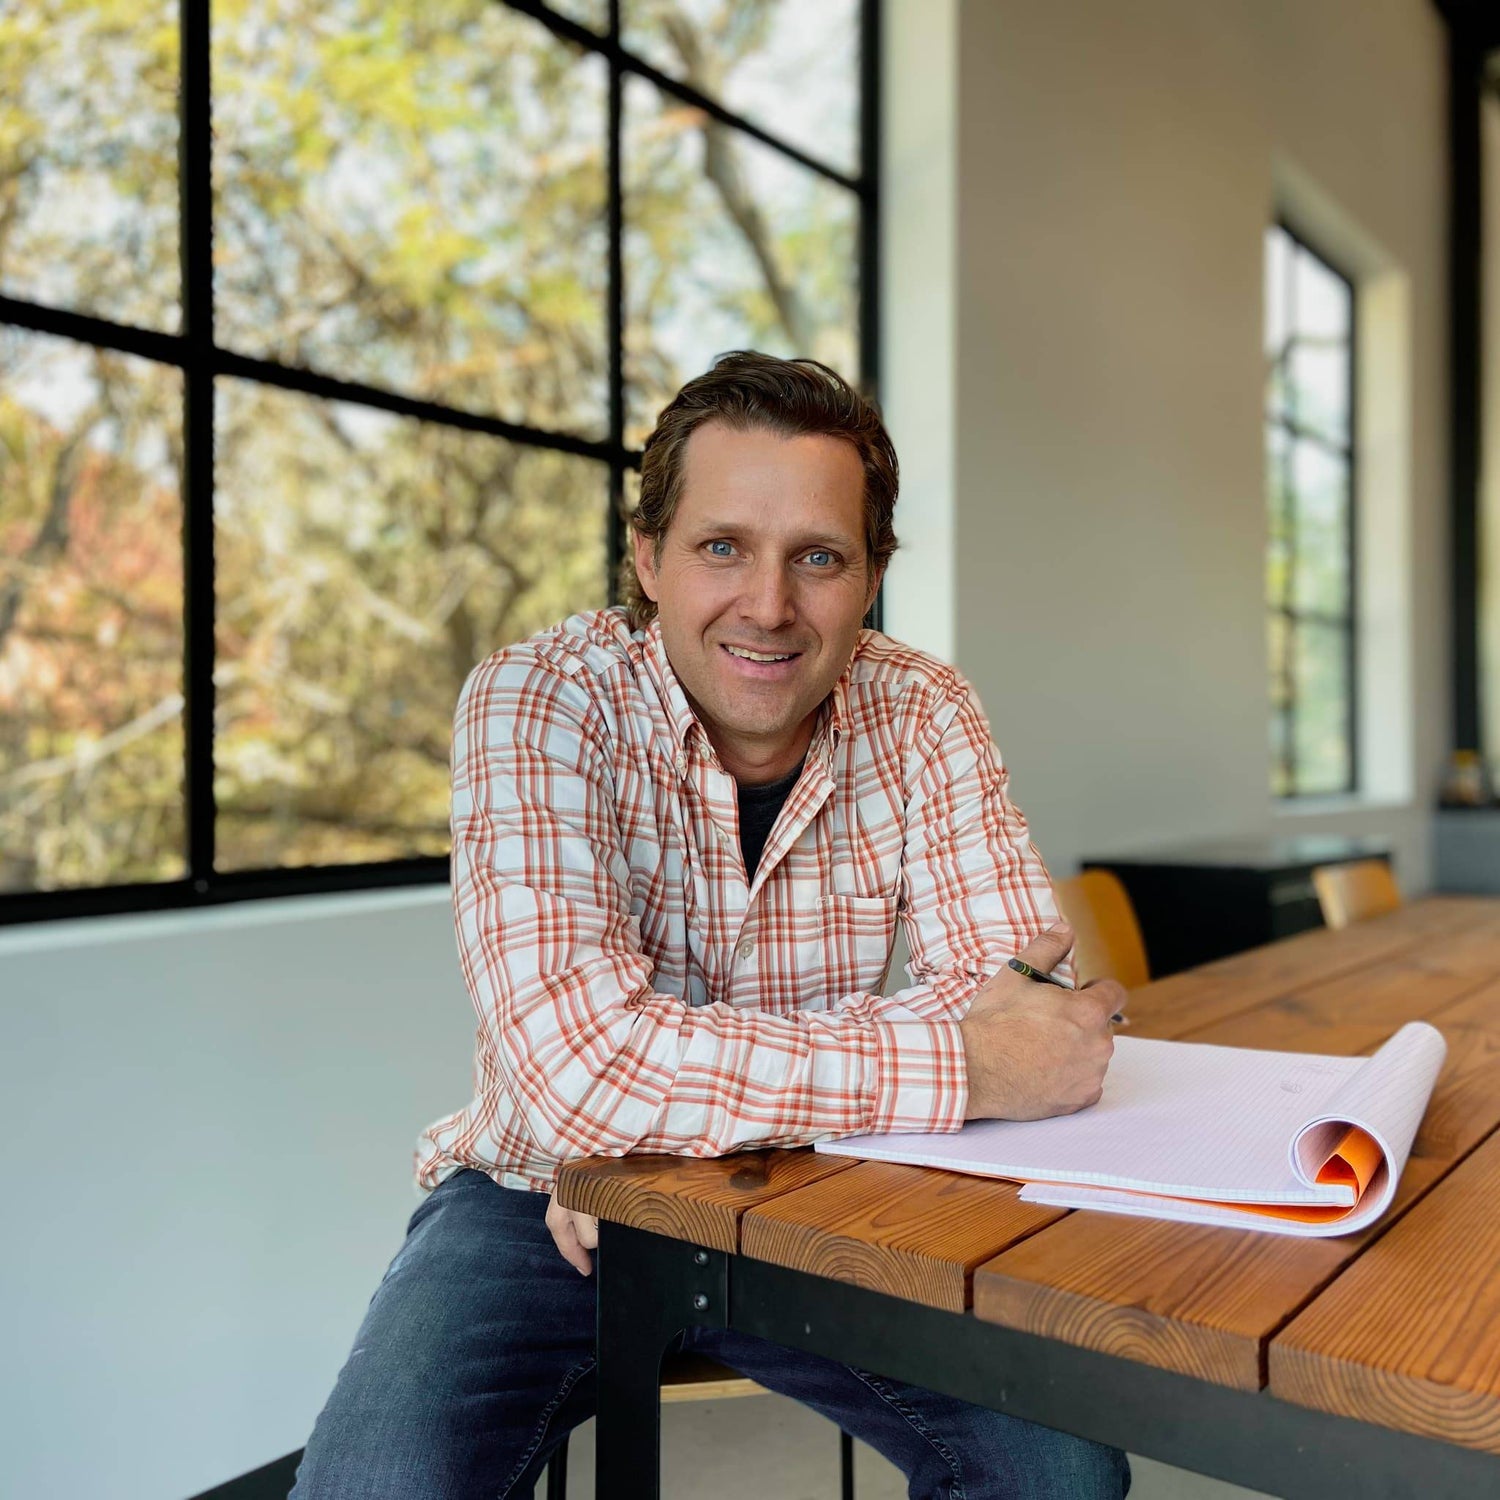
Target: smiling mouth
743,653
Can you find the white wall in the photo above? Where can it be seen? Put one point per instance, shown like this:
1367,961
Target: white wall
211,1119
1117,165
214,1113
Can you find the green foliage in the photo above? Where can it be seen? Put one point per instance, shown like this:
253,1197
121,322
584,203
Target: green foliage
405,195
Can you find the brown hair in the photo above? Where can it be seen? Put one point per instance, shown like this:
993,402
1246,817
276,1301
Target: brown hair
746,390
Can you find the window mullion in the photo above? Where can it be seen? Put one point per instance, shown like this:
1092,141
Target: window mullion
195,178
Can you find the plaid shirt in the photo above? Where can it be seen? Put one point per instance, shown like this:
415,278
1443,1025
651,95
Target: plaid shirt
633,993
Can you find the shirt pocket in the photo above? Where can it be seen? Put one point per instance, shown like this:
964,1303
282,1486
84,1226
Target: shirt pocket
858,935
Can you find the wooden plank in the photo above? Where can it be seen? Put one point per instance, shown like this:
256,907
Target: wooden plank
1187,1297
1215,992
1409,1336
907,1231
1206,1301
687,1198
1463,1111
1369,1003
691,1377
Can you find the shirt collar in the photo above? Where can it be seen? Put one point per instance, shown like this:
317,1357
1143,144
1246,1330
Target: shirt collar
680,715
829,730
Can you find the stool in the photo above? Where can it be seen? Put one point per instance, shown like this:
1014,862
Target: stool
691,1377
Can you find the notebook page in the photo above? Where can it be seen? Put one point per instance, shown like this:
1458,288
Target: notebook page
1196,1211
1182,1119
1387,1099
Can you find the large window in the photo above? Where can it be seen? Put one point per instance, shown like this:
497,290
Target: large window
329,333
1310,574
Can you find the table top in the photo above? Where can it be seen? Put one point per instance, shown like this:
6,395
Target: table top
1398,1325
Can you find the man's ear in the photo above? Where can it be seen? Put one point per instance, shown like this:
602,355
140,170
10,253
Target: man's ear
645,563
874,587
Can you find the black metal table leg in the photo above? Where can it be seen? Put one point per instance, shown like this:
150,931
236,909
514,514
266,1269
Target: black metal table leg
650,1289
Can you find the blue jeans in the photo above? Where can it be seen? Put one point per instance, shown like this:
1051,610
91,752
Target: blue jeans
476,1358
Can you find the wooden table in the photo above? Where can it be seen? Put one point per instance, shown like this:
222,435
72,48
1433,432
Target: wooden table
1364,1367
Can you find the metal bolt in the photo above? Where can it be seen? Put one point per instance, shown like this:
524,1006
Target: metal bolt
700,1301
700,1257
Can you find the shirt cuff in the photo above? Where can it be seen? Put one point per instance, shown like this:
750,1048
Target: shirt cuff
921,1078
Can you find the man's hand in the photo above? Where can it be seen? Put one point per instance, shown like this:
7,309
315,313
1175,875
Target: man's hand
1034,1050
575,1235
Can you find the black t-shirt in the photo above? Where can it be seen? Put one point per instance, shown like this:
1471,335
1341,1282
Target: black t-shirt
759,806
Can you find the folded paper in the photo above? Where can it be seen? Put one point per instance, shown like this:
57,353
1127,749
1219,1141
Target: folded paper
1284,1142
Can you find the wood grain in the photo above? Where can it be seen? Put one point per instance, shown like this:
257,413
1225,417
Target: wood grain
1206,1301
691,1377
908,1231
1215,992
1369,1003
687,1198
1187,1297
1409,1336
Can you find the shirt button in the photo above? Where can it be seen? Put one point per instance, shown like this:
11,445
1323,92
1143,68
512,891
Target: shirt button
682,762
747,948
724,836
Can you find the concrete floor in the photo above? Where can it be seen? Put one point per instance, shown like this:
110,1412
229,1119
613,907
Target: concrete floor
769,1448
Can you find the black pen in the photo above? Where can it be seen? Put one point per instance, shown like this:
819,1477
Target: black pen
1022,967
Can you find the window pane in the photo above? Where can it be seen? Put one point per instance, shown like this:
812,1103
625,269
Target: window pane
364,564
1278,277
791,67
1278,645
1278,519
1281,733
91,778
591,13
1321,299
414,197
1322,710
1318,377
88,157
728,245
1320,487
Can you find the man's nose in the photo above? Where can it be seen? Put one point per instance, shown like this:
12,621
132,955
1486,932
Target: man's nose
767,600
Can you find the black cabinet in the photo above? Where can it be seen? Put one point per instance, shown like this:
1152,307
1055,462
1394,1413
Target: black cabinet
1197,902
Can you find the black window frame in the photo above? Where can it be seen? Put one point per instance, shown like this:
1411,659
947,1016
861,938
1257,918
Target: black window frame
1289,613
202,362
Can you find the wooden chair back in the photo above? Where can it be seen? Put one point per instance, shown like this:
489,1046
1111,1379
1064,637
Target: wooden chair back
1350,893
1110,945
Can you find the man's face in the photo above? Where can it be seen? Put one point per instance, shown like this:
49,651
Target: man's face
765,555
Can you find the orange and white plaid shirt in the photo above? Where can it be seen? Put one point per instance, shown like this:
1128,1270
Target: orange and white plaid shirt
633,992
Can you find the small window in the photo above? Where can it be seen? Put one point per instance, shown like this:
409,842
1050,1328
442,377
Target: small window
1310,576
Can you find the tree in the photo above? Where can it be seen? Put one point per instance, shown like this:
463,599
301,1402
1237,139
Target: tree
406,196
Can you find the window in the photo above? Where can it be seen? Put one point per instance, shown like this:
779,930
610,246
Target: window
1310,589
302,417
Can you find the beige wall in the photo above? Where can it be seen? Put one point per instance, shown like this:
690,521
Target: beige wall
1115,166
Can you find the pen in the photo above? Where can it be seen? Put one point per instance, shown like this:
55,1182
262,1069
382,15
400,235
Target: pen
1022,967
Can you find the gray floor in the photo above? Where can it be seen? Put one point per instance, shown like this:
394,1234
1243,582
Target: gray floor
769,1448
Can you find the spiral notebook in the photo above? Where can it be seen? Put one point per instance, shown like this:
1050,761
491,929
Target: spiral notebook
1284,1142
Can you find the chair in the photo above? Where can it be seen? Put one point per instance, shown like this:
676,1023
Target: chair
691,1377
1351,892
1109,944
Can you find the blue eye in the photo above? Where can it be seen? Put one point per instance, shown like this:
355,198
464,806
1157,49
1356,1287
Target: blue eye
713,548
820,559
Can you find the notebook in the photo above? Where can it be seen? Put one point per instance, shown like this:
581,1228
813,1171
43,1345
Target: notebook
1284,1142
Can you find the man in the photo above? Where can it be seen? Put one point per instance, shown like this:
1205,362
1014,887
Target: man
682,835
